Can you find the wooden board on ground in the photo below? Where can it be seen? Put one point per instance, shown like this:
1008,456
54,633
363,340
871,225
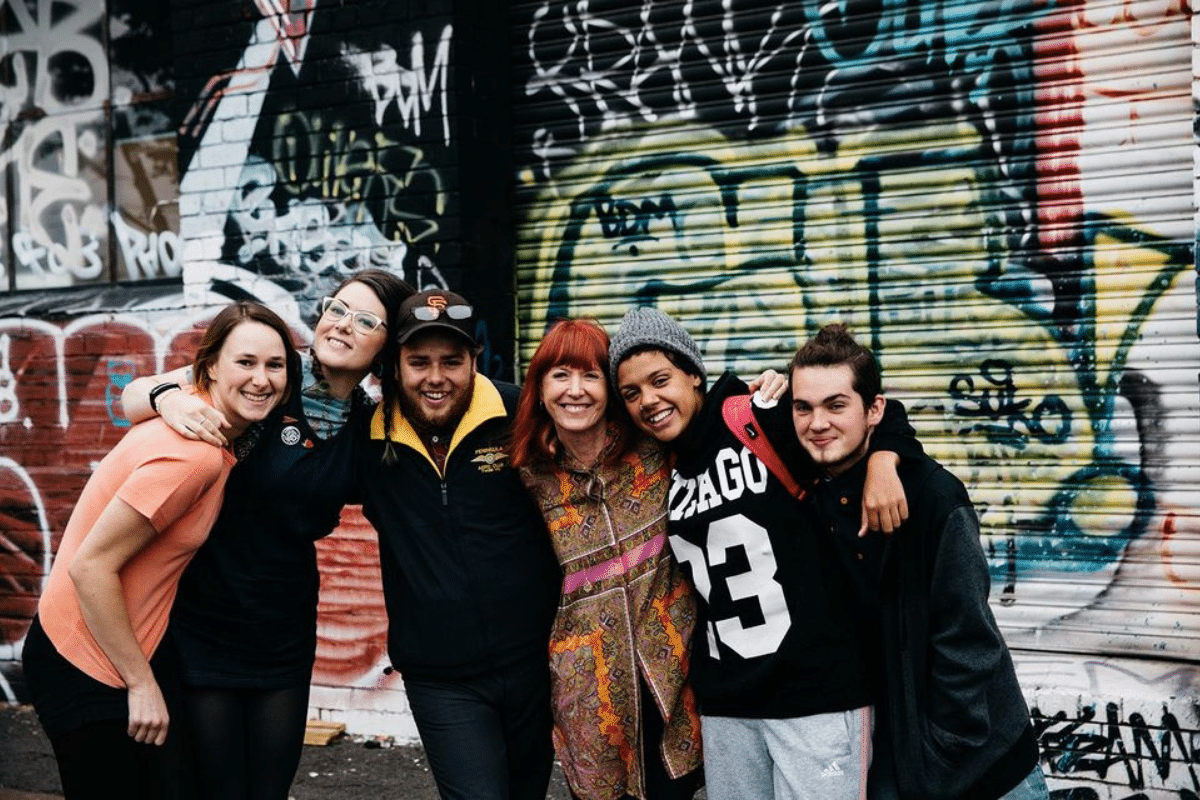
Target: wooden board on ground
321,732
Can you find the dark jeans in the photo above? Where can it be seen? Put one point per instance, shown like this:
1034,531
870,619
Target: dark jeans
487,737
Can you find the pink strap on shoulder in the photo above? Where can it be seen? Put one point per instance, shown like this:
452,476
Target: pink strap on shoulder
739,418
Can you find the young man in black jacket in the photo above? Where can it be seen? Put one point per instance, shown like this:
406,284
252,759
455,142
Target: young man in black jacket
470,581
776,661
952,722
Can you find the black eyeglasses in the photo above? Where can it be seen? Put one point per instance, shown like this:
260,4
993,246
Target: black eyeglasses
430,313
363,321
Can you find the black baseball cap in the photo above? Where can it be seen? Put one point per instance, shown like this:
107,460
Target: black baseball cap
436,309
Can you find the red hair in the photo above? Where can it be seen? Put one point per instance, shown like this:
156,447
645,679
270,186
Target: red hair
578,343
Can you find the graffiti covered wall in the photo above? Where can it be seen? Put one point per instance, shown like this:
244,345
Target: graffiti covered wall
998,194
161,160
89,151
998,197
332,137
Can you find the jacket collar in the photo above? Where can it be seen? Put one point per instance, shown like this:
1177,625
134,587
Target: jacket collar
486,404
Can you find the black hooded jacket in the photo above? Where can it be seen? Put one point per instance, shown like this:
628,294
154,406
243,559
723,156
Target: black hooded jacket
470,580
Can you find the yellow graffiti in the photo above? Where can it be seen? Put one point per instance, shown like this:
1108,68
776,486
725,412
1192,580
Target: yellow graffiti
754,245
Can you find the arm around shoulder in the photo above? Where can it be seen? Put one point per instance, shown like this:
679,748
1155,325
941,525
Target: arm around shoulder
884,505
136,396
895,434
168,396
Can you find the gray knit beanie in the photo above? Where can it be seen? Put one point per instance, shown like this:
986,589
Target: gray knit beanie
648,327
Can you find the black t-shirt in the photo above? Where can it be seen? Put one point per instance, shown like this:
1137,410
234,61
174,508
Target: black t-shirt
246,611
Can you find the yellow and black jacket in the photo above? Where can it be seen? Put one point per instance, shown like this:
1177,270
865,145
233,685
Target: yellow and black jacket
469,578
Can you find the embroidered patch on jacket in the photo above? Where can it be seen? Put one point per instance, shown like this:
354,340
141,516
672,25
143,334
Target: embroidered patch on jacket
490,459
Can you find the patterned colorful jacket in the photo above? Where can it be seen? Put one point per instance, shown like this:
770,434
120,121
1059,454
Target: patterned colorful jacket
626,611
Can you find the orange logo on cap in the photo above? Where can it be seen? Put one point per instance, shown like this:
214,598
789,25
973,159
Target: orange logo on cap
436,301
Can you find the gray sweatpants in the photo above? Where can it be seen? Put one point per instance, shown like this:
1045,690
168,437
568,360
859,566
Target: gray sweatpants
819,757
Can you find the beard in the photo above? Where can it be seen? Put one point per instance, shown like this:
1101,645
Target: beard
445,419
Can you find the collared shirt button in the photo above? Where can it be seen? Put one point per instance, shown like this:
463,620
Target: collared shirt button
844,500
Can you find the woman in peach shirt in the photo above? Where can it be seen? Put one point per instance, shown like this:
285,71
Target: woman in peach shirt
101,685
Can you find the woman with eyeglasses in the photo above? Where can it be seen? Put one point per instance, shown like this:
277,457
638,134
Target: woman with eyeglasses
245,619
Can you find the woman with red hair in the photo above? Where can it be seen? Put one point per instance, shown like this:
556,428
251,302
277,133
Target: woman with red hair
625,719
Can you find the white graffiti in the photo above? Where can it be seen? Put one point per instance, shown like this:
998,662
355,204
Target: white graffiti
301,234
56,215
47,31
10,406
428,276
311,236
152,255
411,90
58,68
597,79
227,111
78,256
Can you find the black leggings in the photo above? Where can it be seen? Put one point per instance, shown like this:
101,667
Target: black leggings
247,742
100,761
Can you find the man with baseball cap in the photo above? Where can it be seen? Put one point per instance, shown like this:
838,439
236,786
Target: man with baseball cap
469,578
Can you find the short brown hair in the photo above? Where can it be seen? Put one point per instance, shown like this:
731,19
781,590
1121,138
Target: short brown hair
222,325
834,346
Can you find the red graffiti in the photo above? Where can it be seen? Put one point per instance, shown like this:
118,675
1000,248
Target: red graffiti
352,623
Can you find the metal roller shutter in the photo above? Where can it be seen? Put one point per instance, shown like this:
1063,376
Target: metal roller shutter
998,196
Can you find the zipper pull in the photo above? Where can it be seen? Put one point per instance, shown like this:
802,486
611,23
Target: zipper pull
445,497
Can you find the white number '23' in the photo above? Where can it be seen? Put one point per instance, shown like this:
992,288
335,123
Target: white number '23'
758,583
